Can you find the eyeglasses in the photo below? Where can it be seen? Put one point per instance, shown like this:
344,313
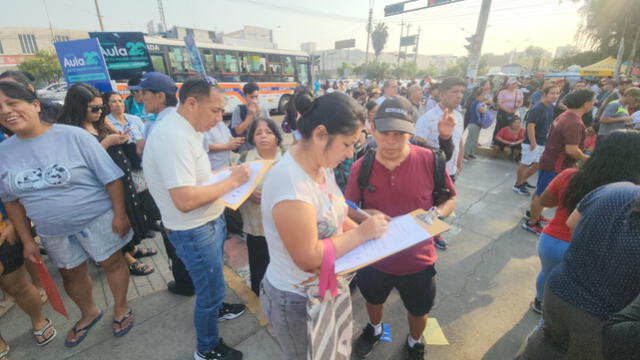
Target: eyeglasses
96,108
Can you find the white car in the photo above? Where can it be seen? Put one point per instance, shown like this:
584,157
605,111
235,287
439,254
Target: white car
52,90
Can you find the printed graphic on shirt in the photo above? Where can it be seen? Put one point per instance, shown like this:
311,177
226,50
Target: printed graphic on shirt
35,179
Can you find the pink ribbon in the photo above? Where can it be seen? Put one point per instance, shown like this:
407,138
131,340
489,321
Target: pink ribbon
327,271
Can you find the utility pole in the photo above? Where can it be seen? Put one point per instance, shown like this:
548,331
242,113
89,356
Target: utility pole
616,72
400,47
405,48
46,10
163,20
474,54
99,15
366,54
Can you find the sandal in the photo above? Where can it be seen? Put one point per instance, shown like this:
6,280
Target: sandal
144,252
41,334
84,330
125,330
138,268
4,355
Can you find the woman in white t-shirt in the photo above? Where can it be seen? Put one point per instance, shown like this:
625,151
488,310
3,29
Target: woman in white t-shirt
301,206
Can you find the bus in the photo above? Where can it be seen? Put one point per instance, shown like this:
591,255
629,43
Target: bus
277,72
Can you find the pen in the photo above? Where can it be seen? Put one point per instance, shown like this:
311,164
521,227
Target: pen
357,208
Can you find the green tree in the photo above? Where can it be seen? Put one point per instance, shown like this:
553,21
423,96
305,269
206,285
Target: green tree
583,59
606,24
44,66
379,38
344,69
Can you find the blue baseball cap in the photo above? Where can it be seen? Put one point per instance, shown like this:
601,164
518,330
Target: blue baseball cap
156,81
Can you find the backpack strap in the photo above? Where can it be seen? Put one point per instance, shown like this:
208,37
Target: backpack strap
365,173
243,115
439,173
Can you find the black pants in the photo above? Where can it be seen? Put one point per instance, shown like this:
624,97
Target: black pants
258,260
179,271
503,119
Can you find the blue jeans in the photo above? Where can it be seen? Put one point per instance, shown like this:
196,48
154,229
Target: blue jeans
551,252
201,250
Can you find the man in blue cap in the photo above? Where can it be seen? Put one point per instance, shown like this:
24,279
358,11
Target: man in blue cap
158,96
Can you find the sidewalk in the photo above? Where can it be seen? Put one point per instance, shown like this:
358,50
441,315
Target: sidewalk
485,283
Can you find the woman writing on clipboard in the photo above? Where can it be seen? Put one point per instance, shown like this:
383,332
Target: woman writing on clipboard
301,206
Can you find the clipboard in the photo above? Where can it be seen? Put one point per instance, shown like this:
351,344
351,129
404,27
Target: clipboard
236,197
426,220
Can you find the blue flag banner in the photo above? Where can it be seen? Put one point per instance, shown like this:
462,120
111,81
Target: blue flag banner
125,53
82,61
194,55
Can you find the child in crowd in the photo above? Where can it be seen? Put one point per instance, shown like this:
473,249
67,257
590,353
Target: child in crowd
509,139
589,143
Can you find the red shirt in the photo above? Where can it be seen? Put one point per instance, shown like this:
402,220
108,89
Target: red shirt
557,227
507,134
408,187
590,142
566,129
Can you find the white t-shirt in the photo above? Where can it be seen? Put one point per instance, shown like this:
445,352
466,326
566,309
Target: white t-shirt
287,181
174,157
219,134
427,128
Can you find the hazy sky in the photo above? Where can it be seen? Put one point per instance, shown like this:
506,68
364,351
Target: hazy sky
546,23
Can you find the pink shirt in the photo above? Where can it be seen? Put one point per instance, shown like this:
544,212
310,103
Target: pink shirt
510,101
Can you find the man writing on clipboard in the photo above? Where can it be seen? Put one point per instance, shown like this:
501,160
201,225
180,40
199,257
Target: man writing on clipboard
401,180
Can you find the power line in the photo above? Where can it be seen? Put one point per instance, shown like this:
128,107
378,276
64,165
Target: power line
304,11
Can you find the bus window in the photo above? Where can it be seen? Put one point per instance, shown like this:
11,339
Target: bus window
158,63
253,63
289,69
227,61
303,73
209,64
179,60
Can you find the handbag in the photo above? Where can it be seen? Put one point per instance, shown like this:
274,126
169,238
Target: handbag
329,318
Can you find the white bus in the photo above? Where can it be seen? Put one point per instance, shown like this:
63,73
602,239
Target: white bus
277,72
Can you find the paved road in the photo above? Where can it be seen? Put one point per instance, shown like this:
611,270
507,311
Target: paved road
485,283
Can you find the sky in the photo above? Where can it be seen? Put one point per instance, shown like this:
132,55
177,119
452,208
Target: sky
513,24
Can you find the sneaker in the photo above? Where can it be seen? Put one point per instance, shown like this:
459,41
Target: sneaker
416,352
536,306
366,341
542,219
534,228
521,190
220,352
526,183
230,311
440,243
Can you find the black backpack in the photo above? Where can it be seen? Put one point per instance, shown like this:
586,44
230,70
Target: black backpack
440,191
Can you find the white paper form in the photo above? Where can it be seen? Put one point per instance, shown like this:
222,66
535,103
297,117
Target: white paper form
403,232
234,198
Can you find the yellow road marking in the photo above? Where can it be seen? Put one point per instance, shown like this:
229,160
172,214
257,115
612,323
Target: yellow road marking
433,334
245,293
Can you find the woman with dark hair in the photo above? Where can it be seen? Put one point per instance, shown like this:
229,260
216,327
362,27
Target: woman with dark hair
267,140
303,210
300,102
614,160
598,276
81,97
72,191
49,110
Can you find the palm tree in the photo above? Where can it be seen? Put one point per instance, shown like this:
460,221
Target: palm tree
379,38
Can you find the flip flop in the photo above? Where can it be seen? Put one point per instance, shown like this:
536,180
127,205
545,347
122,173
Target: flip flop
4,355
144,252
40,333
138,268
85,331
123,331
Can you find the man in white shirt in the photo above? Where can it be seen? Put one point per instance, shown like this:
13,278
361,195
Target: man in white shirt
451,94
159,98
390,88
175,166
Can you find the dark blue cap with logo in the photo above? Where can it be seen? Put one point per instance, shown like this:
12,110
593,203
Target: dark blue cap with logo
156,81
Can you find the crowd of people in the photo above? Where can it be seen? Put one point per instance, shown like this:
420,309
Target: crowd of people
91,179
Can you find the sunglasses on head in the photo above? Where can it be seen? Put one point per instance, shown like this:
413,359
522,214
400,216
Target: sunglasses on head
96,108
